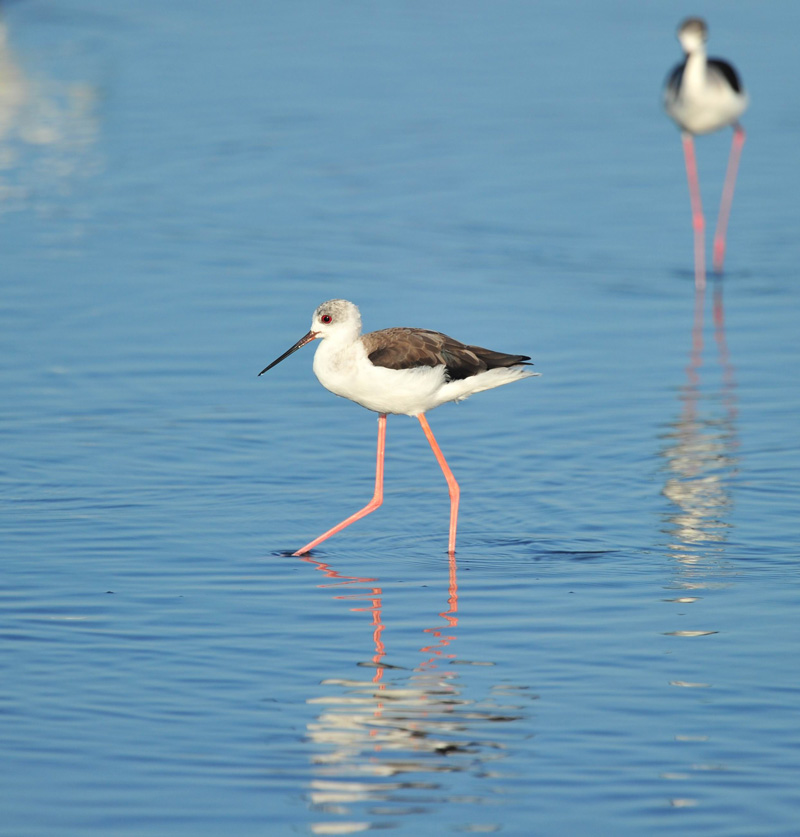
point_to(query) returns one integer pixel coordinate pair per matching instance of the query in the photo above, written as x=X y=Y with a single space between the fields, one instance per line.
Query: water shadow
x=700 y=449
x=700 y=453
x=48 y=132
x=382 y=744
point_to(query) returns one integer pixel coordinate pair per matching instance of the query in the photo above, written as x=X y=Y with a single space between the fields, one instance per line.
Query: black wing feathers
x=406 y=348
x=675 y=78
x=727 y=71
x=715 y=65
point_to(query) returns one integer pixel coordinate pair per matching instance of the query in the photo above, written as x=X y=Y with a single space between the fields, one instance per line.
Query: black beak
x=298 y=345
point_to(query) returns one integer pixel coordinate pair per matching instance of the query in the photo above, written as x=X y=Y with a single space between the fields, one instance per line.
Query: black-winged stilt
x=405 y=371
x=703 y=95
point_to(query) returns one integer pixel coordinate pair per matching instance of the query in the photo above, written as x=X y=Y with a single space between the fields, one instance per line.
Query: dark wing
x=675 y=78
x=726 y=71
x=406 y=348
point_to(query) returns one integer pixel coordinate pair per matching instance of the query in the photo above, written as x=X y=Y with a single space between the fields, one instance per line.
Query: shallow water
x=611 y=649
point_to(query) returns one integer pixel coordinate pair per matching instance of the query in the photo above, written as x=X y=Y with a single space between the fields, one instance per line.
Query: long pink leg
x=698 y=222
x=727 y=196
x=373 y=504
x=452 y=485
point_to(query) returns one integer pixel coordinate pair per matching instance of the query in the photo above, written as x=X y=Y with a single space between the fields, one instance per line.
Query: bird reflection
x=372 y=732
x=701 y=448
x=47 y=128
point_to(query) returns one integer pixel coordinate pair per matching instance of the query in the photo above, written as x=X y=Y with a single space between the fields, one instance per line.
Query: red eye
x=325 y=318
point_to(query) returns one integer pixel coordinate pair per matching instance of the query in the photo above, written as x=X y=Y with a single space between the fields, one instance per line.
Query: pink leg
x=373 y=504
x=727 y=197
x=452 y=485
x=698 y=222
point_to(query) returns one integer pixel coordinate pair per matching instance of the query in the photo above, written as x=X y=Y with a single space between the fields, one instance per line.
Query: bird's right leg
x=727 y=197
x=698 y=222
x=373 y=504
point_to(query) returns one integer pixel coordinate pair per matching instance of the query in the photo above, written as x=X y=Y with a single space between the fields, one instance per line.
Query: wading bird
x=405 y=371
x=703 y=95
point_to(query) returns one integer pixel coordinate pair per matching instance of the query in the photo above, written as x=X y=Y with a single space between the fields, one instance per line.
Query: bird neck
x=695 y=71
x=336 y=360
x=335 y=347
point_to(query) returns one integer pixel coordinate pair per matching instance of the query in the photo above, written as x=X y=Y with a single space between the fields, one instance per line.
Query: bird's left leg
x=452 y=485
x=698 y=221
x=727 y=196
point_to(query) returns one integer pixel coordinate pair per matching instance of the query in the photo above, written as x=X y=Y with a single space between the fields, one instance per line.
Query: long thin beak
x=298 y=345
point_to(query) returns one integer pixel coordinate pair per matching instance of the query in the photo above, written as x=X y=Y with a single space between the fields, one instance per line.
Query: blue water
x=613 y=648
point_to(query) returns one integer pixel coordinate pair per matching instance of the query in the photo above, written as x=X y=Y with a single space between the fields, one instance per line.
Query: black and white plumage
x=405 y=348
x=702 y=95
x=405 y=371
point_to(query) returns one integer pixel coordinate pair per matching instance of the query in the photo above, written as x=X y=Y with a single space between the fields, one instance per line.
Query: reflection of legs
x=698 y=223
x=727 y=197
x=440 y=635
x=696 y=358
x=452 y=610
x=452 y=485
x=373 y=504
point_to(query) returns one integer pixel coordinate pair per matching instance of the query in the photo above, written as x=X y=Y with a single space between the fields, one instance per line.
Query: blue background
x=613 y=649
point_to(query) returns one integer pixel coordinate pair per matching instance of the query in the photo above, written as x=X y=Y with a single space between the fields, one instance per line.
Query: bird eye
x=325 y=318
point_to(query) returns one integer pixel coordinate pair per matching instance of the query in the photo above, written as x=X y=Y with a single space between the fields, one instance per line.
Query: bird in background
x=703 y=95
x=403 y=371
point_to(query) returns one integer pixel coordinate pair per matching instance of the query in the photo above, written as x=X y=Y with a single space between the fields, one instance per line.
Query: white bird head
x=693 y=34
x=336 y=318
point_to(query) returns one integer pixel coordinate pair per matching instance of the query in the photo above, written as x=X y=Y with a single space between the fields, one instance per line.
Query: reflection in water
x=700 y=449
x=47 y=129
x=383 y=743
x=701 y=458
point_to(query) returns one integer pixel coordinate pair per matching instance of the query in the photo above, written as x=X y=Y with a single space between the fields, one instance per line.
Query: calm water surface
x=613 y=648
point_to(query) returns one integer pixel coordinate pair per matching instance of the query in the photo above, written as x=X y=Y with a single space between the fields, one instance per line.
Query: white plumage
x=702 y=94
x=405 y=371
